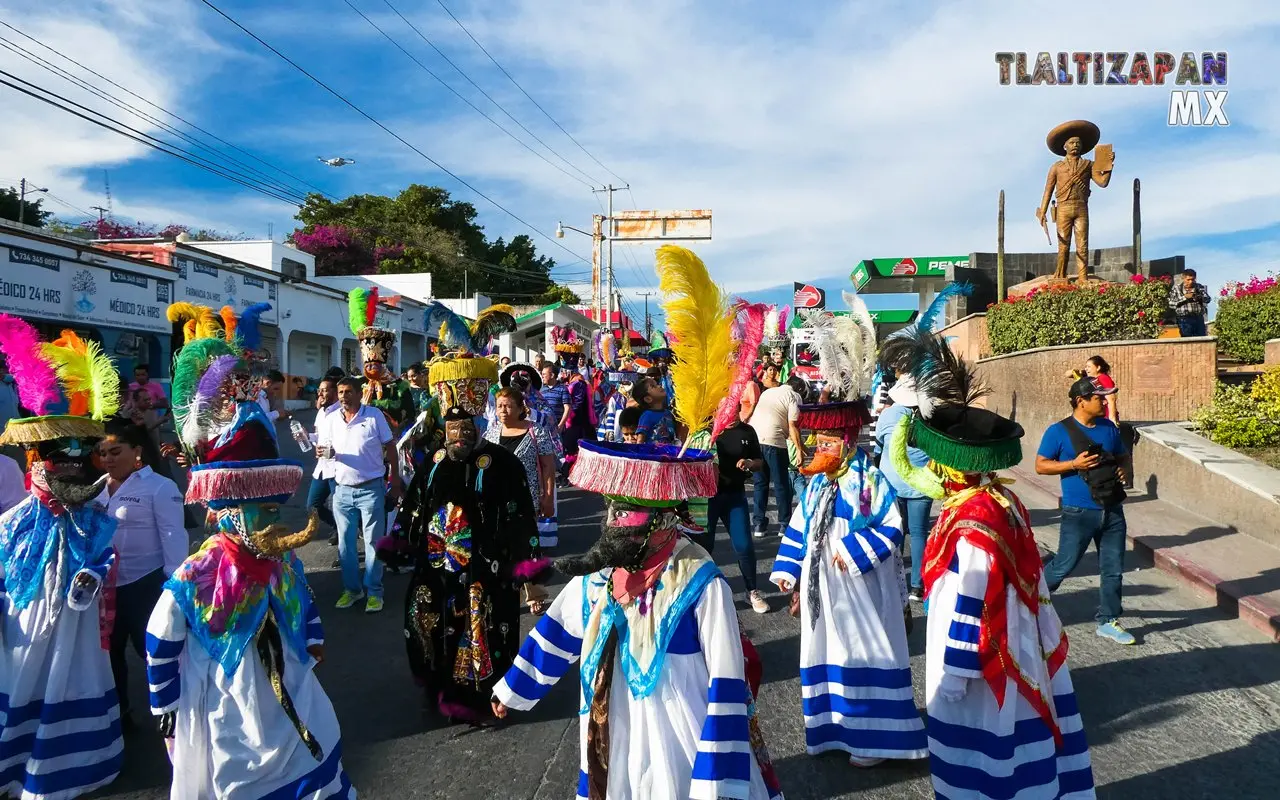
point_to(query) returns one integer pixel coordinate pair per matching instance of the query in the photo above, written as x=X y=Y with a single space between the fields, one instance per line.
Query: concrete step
x=1238 y=572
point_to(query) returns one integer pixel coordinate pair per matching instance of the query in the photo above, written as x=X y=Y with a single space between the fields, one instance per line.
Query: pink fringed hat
x=848 y=417
x=243 y=466
x=644 y=474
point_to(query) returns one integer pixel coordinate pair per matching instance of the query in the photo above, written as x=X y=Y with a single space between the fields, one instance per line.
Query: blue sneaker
x=1113 y=631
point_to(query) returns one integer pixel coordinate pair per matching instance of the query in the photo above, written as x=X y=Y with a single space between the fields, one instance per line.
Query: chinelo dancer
x=60 y=729
x=233 y=643
x=840 y=553
x=462 y=375
x=1003 y=720
x=382 y=389
x=667 y=711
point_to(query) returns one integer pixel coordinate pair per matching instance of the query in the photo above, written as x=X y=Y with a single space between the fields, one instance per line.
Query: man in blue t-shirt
x=1083 y=519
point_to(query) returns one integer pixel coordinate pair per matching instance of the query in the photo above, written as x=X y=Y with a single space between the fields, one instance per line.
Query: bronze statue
x=1068 y=183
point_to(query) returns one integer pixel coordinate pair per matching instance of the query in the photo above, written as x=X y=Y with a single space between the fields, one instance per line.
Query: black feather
x=896 y=354
x=941 y=374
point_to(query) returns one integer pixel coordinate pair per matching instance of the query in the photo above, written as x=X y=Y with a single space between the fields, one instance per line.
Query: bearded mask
x=66 y=469
x=829 y=456
x=472 y=394
x=459 y=439
x=624 y=542
x=257 y=526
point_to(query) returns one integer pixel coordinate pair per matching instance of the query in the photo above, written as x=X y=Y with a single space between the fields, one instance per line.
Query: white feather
x=865 y=357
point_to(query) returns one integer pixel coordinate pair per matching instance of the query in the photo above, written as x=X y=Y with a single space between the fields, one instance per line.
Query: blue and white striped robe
x=59 y=716
x=978 y=750
x=232 y=740
x=688 y=738
x=855 y=671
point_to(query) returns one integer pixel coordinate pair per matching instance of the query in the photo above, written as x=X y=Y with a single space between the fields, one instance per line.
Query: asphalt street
x=1192 y=711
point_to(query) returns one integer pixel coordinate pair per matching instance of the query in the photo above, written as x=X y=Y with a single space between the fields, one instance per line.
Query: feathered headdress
x=566 y=340
x=228 y=315
x=700 y=322
x=250 y=332
x=491 y=323
x=35 y=378
x=455 y=334
x=775 y=327
x=87 y=373
x=845 y=345
x=897 y=347
x=453 y=331
x=749 y=319
x=865 y=362
x=362 y=309
x=199 y=322
x=190 y=366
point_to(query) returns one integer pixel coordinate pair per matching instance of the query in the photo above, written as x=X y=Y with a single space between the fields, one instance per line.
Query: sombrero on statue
x=1087 y=132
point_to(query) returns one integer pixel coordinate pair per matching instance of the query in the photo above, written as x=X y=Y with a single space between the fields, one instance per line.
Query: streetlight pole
x=608 y=314
x=22 y=199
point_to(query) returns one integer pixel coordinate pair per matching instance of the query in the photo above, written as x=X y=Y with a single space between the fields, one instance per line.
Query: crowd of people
x=453 y=470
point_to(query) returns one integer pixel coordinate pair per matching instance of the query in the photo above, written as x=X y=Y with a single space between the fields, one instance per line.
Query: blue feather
x=247 y=328
x=931 y=315
x=457 y=332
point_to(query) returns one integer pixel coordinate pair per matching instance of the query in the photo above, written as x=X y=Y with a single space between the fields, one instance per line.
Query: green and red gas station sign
x=869 y=269
x=884 y=316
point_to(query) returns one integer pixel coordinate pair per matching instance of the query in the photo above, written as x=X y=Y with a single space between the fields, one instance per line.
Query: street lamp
x=561 y=228
x=559 y=231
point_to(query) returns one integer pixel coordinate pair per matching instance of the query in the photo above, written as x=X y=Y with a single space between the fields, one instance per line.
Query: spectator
x=504 y=361
x=656 y=425
x=628 y=423
x=322 y=487
x=419 y=384
x=737 y=453
x=1190 y=302
x=150 y=543
x=358 y=440
x=142 y=380
x=1087 y=451
x=1098 y=369
x=271 y=396
x=914 y=506
x=142 y=414
x=774 y=421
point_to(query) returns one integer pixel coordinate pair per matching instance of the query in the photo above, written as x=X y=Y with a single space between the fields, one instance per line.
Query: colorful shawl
x=224 y=591
x=31 y=535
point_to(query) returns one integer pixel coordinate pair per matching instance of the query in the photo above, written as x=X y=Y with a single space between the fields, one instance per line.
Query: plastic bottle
x=300 y=435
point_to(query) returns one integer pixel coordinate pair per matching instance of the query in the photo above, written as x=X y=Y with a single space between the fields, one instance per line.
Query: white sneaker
x=859 y=761
x=758 y=603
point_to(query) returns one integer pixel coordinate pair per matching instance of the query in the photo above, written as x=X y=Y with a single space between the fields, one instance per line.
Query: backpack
x=1103 y=480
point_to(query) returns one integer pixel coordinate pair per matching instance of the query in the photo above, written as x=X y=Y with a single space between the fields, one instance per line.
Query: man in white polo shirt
x=358 y=441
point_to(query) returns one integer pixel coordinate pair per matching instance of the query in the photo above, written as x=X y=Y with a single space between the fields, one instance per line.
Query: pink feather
x=36 y=380
x=752 y=319
x=782 y=320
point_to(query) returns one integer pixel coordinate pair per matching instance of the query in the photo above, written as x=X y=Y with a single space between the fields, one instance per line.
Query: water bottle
x=300 y=435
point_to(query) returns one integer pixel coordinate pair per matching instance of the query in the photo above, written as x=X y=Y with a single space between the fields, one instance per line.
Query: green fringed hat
x=968 y=439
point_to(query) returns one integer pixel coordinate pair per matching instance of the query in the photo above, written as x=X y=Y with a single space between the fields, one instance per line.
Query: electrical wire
x=258 y=175
x=526 y=94
x=136 y=135
x=489 y=97
x=390 y=132
x=165 y=111
x=460 y=96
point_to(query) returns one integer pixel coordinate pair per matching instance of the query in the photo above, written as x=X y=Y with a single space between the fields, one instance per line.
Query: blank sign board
x=661 y=226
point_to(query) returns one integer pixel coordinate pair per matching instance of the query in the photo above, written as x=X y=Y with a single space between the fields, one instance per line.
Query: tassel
x=271 y=651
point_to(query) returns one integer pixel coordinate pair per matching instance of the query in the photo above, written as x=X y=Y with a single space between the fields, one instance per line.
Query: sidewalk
x=1239 y=573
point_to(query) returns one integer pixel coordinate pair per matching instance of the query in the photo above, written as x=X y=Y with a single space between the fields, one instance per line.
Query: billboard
x=912 y=266
x=805 y=295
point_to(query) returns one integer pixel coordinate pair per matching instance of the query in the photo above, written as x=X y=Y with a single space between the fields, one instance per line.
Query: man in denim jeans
x=1083 y=519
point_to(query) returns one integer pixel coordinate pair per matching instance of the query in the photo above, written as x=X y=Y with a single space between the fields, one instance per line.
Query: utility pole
x=101 y=212
x=1000 y=250
x=1137 y=227
x=22 y=199
x=648 y=324
x=613 y=230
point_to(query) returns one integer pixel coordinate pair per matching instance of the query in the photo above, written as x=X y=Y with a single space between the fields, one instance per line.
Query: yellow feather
x=205 y=319
x=84 y=368
x=700 y=329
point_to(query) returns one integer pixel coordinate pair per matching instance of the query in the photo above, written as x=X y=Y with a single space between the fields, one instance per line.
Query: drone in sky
x=336 y=162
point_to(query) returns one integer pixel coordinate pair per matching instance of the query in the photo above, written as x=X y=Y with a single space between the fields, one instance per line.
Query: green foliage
x=1241 y=417
x=1244 y=324
x=423 y=230
x=11 y=202
x=558 y=294
x=1073 y=315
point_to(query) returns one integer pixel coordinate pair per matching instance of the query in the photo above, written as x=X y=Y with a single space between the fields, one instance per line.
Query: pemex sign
x=870 y=269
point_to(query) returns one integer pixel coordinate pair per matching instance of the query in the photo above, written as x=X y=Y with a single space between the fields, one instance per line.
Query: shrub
x=1242 y=417
x=1072 y=314
x=1248 y=315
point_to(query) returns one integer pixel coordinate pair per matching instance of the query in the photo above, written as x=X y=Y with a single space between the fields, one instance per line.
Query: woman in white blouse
x=150 y=542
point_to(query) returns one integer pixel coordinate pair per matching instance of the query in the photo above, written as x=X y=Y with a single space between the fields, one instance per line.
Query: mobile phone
x=1094 y=450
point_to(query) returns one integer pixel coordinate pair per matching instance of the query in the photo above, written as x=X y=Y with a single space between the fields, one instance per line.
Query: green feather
x=357 y=306
x=921 y=479
x=189 y=364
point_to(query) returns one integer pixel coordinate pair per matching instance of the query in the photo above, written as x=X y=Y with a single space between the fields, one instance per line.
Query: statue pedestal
x=1044 y=282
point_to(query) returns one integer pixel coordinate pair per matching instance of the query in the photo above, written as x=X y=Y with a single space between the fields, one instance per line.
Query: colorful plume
x=358 y=310
x=189 y=366
x=490 y=323
x=250 y=329
x=77 y=393
x=452 y=330
x=929 y=319
x=36 y=380
x=750 y=319
x=85 y=370
x=206 y=321
x=196 y=414
x=700 y=323
x=371 y=306
x=783 y=313
x=228 y=315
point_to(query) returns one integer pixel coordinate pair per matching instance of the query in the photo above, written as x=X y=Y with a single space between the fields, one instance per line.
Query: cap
x=1088 y=387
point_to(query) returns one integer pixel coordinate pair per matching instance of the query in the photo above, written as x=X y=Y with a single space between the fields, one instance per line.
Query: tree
x=420 y=230
x=32 y=214
x=107 y=228
x=559 y=294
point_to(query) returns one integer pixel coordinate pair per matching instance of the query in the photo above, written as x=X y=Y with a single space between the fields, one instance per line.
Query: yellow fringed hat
x=460 y=368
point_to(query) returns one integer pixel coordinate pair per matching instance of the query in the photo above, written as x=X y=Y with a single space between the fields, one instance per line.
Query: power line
x=526 y=94
x=387 y=130
x=141 y=138
x=165 y=111
x=460 y=96
x=459 y=70
x=258 y=175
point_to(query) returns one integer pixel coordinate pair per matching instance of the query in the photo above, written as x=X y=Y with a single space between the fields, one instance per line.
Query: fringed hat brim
x=988 y=456
x=458 y=369
x=848 y=415
x=25 y=431
x=570 y=348
x=644 y=472
x=229 y=482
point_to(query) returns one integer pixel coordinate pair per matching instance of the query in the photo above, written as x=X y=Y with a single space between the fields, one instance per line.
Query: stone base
x=1021 y=290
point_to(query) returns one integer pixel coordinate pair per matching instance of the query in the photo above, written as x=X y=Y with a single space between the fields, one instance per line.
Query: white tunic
x=977 y=749
x=233 y=740
x=59 y=717
x=688 y=738
x=855 y=670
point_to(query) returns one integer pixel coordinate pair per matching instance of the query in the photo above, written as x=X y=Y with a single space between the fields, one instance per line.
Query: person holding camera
x=1087 y=451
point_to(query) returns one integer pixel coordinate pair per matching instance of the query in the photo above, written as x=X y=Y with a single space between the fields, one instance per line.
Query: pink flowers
x=1255 y=285
x=1142 y=315
x=1137 y=279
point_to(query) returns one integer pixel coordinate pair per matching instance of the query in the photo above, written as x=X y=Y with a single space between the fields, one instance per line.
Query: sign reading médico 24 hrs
x=1187 y=107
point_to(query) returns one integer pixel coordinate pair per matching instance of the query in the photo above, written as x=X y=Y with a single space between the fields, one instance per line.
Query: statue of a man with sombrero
x=1068 y=183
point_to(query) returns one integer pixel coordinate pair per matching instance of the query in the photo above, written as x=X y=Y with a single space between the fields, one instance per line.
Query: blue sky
x=819 y=133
